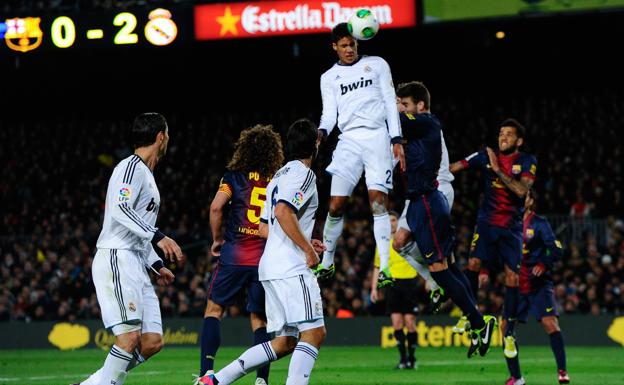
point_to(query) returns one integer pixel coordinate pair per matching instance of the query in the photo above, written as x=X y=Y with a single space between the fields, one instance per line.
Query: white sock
x=114 y=369
x=381 y=228
x=301 y=364
x=253 y=358
x=411 y=253
x=94 y=379
x=331 y=233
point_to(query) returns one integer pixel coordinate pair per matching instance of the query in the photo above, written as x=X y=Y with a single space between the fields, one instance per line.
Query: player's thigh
x=483 y=246
x=347 y=163
x=152 y=319
x=226 y=282
x=510 y=248
x=118 y=279
x=408 y=294
x=431 y=227
x=275 y=301
x=543 y=303
x=378 y=168
x=255 y=293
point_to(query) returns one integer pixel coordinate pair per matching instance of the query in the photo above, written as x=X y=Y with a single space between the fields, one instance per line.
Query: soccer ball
x=362 y=24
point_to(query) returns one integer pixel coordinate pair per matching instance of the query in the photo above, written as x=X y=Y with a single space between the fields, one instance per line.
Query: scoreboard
x=156 y=27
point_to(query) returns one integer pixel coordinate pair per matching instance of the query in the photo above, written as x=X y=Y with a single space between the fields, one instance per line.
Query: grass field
x=335 y=366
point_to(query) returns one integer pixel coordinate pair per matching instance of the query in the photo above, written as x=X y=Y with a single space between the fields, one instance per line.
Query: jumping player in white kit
x=293 y=302
x=128 y=302
x=358 y=97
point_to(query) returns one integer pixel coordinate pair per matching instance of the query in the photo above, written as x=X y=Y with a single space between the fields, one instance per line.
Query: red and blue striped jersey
x=502 y=207
x=540 y=246
x=247 y=191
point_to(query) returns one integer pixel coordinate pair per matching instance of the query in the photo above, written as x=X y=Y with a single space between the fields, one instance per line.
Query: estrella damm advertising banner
x=275 y=18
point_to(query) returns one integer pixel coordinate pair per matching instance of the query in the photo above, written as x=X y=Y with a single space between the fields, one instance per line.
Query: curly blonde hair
x=258 y=149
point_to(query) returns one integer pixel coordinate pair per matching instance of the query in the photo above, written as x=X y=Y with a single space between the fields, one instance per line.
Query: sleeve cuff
x=158 y=265
x=484 y=272
x=158 y=236
x=465 y=163
x=264 y=220
x=397 y=140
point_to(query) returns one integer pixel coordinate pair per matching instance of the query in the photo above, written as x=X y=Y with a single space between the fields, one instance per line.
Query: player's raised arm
x=223 y=196
x=330 y=108
x=392 y=115
x=128 y=184
x=521 y=187
x=475 y=159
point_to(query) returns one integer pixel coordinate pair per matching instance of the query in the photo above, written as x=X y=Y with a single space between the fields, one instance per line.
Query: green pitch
x=335 y=366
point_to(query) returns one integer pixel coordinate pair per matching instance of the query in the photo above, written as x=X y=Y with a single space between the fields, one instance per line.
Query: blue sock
x=461 y=277
x=210 y=341
x=556 y=344
x=473 y=279
x=458 y=293
x=510 y=308
x=513 y=364
x=260 y=336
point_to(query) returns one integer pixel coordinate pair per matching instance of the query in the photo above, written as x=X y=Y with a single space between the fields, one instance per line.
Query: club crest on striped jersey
x=530 y=233
x=124 y=194
x=515 y=169
x=298 y=198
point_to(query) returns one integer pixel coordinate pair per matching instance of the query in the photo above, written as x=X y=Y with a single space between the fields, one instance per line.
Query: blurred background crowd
x=55 y=172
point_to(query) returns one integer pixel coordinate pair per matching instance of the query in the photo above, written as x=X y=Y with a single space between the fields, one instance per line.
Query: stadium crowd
x=54 y=176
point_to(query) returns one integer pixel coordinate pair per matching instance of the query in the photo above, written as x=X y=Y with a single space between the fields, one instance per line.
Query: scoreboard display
x=156 y=27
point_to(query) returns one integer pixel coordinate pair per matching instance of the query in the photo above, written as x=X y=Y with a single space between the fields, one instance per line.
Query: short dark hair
x=417 y=90
x=339 y=31
x=301 y=139
x=393 y=213
x=520 y=130
x=145 y=128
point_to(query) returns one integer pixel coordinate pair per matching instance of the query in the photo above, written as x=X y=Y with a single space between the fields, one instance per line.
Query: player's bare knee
x=551 y=324
x=283 y=345
x=213 y=310
x=474 y=264
x=336 y=206
x=152 y=346
x=128 y=341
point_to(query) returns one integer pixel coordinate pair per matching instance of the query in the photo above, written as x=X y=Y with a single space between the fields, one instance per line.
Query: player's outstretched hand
x=312 y=258
x=165 y=277
x=171 y=250
x=397 y=150
x=318 y=246
x=493 y=160
x=215 y=249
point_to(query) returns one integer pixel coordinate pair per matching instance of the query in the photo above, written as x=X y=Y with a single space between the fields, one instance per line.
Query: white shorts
x=445 y=188
x=124 y=291
x=293 y=305
x=367 y=151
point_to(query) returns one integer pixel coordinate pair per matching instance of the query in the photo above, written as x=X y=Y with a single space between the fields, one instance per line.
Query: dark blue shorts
x=540 y=304
x=429 y=221
x=228 y=280
x=497 y=246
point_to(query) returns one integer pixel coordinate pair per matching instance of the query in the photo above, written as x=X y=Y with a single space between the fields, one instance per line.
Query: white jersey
x=295 y=185
x=444 y=173
x=132 y=203
x=360 y=96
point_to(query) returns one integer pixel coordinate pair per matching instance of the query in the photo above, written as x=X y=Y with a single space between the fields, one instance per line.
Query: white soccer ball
x=362 y=24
